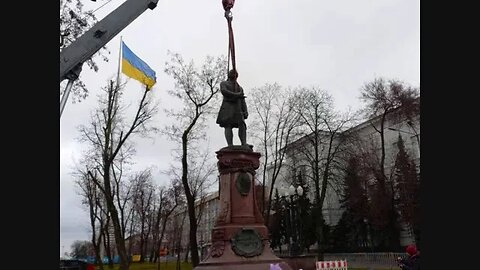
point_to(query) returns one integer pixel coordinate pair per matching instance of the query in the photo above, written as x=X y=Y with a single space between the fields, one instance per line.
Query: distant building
x=295 y=165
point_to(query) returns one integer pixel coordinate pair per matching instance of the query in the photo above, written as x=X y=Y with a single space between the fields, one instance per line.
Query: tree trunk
x=106 y=243
x=153 y=250
x=320 y=236
x=178 y=259
x=96 y=246
x=142 y=238
x=323 y=193
x=190 y=203
x=179 y=247
x=119 y=238
x=156 y=227
x=187 y=252
x=130 y=232
x=382 y=138
x=145 y=231
x=276 y=170
x=266 y=212
x=164 y=225
x=96 y=241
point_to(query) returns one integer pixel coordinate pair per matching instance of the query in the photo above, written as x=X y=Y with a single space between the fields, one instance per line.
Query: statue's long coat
x=233 y=108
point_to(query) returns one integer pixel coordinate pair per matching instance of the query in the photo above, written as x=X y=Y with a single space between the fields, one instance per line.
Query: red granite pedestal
x=239 y=237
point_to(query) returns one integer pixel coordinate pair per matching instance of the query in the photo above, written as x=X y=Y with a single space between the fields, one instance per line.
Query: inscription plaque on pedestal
x=247 y=243
x=243 y=184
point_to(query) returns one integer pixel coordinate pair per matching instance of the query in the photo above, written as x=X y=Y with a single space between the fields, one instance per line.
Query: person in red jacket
x=412 y=261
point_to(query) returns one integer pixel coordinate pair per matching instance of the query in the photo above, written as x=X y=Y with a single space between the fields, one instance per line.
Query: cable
x=101 y=6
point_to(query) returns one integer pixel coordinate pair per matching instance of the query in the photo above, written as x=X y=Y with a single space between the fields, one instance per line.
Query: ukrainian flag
x=135 y=68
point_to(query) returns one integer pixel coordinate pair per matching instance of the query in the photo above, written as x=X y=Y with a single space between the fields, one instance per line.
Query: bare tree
x=107 y=242
x=200 y=179
x=320 y=147
x=155 y=221
x=93 y=199
x=81 y=249
x=382 y=98
x=74 y=21
x=196 y=89
x=275 y=121
x=178 y=229
x=169 y=200
x=108 y=136
x=127 y=195
x=386 y=100
x=143 y=192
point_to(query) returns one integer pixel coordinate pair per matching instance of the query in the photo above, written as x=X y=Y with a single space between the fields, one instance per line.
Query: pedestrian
x=412 y=261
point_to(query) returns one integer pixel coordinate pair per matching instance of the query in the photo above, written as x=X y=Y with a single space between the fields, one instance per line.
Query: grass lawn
x=152 y=266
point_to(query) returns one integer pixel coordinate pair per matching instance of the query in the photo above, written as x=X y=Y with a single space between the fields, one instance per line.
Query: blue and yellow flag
x=135 y=68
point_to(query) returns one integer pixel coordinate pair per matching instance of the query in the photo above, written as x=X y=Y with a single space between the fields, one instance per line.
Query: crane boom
x=73 y=56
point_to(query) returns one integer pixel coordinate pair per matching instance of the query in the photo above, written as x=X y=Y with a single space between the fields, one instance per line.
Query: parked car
x=75 y=265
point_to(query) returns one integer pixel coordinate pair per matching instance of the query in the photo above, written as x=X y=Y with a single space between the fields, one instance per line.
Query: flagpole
x=118 y=71
x=119 y=61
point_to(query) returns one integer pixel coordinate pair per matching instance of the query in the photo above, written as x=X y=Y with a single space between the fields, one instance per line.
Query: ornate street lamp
x=293 y=218
x=299 y=190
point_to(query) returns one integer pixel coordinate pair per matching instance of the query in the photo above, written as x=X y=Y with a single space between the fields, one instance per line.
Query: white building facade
x=365 y=134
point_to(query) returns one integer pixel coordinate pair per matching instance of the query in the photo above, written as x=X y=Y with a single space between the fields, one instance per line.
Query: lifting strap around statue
x=227 y=5
x=231 y=45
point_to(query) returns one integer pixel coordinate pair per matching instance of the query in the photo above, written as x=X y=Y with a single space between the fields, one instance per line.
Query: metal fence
x=383 y=259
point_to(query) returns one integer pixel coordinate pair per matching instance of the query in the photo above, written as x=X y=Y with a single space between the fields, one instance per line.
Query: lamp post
x=288 y=236
x=294 y=240
x=201 y=243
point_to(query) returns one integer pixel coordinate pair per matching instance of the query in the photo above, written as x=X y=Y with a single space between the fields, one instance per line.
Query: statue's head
x=232 y=74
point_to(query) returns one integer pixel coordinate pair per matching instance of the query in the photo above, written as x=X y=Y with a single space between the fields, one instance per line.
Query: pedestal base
x=239 y=237
x=230 y=261
x=301 y=262
x=242 y=266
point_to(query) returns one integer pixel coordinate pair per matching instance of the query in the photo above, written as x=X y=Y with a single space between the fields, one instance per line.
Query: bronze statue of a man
x=233 y=111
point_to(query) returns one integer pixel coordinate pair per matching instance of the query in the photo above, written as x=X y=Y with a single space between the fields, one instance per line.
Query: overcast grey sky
x=336 y=45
